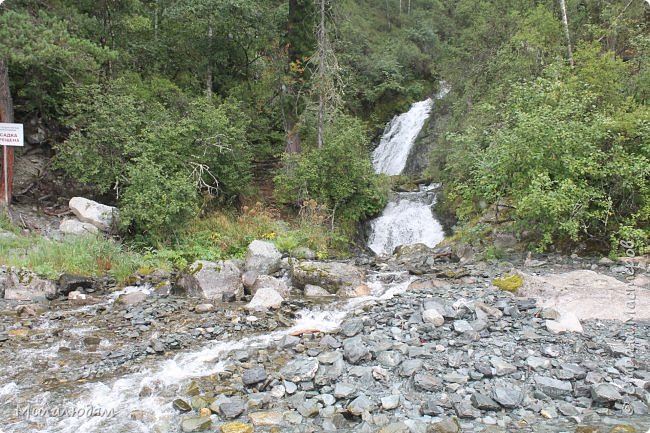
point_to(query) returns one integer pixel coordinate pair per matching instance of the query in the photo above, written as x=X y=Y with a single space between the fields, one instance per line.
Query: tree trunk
x=208 y=81
x=6 y=116
x=321 y=73
x=565 y=23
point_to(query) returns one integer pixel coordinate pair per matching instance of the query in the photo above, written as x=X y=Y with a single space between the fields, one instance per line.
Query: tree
x=6 y=116
x=565 y=22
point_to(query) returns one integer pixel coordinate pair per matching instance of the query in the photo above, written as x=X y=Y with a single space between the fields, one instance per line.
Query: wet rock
x=237 y=427
x=70 y=282
x=355 y=350
x=300 y=369
x=196 y=424
x=212 y=280
x=105 y=218
x=254 y=375
x=264 y=299
x=262 y=257
x=605 y=393
x=312 y=291
x=248 y=278
x=181 y=405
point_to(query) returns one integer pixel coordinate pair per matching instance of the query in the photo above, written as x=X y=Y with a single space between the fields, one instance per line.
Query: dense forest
x=176 y=109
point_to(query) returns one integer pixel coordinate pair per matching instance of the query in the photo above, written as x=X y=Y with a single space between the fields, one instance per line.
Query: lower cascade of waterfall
x=406 y=220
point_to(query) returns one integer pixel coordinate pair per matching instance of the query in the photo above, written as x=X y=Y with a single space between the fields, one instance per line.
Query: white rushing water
x=117 y=406
x=408 y=218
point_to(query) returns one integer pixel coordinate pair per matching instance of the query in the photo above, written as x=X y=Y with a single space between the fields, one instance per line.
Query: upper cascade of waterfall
x=392 y=153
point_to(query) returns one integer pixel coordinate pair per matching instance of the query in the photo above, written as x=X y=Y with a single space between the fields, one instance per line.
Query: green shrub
x=338 y=176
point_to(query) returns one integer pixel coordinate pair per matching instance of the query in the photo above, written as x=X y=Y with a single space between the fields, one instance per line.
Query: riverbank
x=434 y=346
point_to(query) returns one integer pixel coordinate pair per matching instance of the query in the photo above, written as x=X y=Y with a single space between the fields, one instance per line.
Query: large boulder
x=268 y=282
x=262 y=257
x=264 y=299
x=339 y=278
x=101 y=216
x=25 y=286
x=212 y=280
x=421 y=259
x=72 y=226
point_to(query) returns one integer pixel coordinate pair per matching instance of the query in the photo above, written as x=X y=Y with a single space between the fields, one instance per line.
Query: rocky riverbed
x=426 y=344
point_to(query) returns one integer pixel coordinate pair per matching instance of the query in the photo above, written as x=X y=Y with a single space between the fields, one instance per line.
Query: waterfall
x=407 y=219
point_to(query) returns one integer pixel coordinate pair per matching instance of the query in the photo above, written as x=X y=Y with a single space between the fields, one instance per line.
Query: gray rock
x=262 y=257
x=335 y=277
x=213 y=280
x=268 y=282
x=248 y=279
x=181 y=405
x=554 y=388
x=351 y=327
x=501 y=366
x=455 y=377
x=105 y=218
x=254 y=375
x=538 y=363
x=300 y=369
x=309 y=408
x=196 y=424
x=355 y=350
x=360 y=405
x=605 y=393
x=344 y=390
x=389 y=358
x=390 y=402
x=567 y=409
x=264 y=299
x=427 y=382
x=131 y=298
x=462 y=326
x=484 y=402
x=465 y=410
x=433 y=316
x=71 y=226
x=446 y=425
x=396 y=427
x=410 y=367
x=508 y=396
x=204 y=308
x=232 y=408
x=25 y=286
x=312 y=291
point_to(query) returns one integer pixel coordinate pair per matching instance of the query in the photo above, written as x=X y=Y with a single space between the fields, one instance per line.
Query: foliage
x=157 y=148
x=338 y=176
x=91 y=255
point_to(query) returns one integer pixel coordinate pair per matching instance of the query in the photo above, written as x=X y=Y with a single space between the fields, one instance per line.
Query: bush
x=338 y=176
x=156 y=148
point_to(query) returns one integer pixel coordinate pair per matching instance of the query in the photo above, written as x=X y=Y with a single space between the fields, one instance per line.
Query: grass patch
x=88 y=255
x=225 y=235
